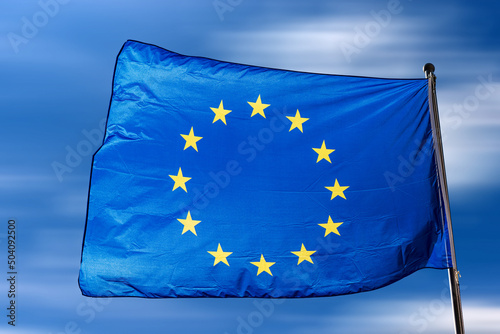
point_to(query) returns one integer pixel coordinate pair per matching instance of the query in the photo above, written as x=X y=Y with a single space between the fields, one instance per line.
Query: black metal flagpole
x=453 y=272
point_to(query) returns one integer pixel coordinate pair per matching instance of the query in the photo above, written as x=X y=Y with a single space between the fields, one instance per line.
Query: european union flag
x=226 y=180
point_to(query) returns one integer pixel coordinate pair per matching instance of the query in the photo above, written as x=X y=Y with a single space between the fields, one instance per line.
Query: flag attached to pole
x=225 y=180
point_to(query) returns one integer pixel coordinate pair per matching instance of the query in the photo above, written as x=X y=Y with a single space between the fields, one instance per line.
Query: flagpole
x=453 y=273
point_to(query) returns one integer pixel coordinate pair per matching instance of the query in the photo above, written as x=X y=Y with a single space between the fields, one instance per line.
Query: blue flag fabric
x=225 y=180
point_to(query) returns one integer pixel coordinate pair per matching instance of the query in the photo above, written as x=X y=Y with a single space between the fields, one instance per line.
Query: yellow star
x=263 y=265
x=331 y=227
x=323 y=153
x=180 y=180
x=258 y=107
x=304 y=254
x=191 y=140
x=337 y=190
x=220 y=256
x=189 y=224
x=220 y=113
x=297 y=121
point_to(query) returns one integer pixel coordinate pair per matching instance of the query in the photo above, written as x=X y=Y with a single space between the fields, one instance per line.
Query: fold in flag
x=226 y=180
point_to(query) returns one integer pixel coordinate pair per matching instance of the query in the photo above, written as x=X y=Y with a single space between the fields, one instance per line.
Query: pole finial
x=428 y=69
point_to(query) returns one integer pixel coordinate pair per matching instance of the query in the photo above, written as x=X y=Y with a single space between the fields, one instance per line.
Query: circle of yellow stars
x=297 y=122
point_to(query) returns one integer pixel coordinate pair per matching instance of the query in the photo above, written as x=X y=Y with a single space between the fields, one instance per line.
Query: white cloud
x=306 y=47
x=482 y=319
x=317 y=46
x=471 y=133
x=397 y=317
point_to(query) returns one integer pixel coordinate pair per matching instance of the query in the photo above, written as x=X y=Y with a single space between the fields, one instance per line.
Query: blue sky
x=55 y=89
